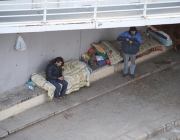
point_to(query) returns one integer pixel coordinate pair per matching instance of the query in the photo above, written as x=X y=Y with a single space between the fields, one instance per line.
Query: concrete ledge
x=30 y=102
x=38 y=100
x=44 y=111
x=96 y=75
x=20 y=107
x=108 y=70
x=101 y=73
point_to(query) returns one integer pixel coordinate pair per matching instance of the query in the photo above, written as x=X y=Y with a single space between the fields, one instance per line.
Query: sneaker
x=132 y=76
x=57 y=99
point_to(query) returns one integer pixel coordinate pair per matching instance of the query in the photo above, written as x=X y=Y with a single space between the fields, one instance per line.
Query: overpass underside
x=41 y=17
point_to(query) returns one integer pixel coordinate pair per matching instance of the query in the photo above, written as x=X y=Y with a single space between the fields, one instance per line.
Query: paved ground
x=129 y=112
x=173 y=134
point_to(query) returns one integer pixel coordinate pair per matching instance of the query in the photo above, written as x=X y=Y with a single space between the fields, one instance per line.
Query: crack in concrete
x=2 y=136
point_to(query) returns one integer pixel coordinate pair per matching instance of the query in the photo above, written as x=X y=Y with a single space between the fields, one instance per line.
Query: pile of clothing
x=95 y=56
x=110 y=52
x=103 y=53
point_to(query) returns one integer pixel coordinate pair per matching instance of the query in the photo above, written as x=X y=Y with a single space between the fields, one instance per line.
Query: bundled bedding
x=160 y=35
x=173 y=31
x=75 y=72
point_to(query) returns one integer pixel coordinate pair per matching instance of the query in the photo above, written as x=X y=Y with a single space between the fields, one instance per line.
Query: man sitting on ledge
x=54 y=76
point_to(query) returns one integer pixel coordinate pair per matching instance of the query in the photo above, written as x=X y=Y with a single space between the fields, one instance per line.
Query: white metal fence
x=52 y=12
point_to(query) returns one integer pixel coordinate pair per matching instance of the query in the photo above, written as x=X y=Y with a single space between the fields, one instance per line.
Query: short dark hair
x=59 y=59
x=133 y=29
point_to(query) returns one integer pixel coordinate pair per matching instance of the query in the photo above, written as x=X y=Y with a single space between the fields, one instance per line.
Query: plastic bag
x=20 y=44
x=99 y=58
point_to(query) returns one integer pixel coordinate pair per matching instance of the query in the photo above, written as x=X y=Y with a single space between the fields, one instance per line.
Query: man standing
x=54 y=76
x=131 y=40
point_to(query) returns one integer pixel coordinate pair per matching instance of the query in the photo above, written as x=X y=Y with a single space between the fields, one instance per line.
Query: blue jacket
x=126 y=46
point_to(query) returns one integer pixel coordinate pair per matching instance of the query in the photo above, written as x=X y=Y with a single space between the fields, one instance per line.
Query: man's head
x=133 y=30
x=59 y=61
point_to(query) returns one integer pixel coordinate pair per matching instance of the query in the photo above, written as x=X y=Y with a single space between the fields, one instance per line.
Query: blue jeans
x=58 y=87
x=133 y=65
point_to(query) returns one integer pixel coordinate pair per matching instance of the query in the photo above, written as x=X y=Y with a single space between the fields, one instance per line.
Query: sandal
x=57 y=99
x=65 y=97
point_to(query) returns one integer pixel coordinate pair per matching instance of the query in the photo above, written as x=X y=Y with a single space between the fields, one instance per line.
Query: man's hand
x=61 y=78
x=130 y=42
x=127 y=39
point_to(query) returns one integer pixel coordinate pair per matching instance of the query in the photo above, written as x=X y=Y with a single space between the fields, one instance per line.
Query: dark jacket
x=53 y=72
x=126 y=46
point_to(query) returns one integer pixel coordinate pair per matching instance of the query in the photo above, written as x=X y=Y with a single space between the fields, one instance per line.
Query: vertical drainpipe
x=145 y=8
x=80 y=44
x=45 y=11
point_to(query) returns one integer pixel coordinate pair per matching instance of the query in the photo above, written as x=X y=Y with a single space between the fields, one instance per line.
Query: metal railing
x=79 y=11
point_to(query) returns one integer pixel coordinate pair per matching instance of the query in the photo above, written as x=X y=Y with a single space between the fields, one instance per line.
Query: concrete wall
x=16 y=67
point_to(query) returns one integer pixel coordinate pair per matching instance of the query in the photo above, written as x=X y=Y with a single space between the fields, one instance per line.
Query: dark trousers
x=58 y=87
